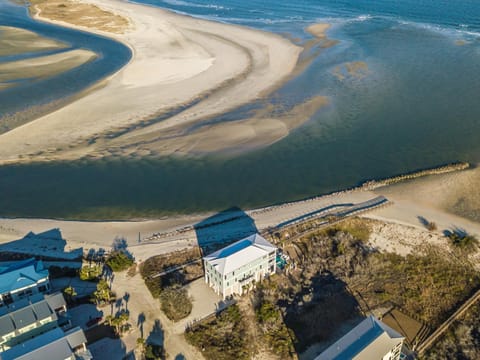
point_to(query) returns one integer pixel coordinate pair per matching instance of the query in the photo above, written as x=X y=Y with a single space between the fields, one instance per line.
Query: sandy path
x=176 y=60
x=141 y=302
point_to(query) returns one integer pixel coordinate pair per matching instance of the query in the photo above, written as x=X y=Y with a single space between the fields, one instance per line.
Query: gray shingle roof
x=24 y=313
x=51 y=345
x=56 y=300
x=75 y=337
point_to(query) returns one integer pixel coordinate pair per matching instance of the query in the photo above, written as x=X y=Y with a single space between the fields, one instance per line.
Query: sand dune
x=177 y=60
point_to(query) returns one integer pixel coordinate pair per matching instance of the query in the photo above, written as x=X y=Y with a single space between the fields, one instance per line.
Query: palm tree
x=69 y=293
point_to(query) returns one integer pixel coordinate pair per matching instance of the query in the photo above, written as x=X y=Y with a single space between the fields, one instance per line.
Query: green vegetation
x=274 y=330
x=103 y=294
x=69 y=293
x=154 y=352
x=90 y=273
x=222 y=338
x=464 y=242
x=461 y=341
x=175 y=303
x=337 y=270
x=157 y=264
x=119 y=261
x=119 y=321
x=429 y=284
x=358 y=228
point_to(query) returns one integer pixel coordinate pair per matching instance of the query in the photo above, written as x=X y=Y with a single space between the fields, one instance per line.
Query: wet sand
x=15 y=41
x=177 y=60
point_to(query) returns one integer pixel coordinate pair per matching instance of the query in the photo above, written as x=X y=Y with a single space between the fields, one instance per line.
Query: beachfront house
x=30 y=317
x=54 y=345
x=371 y=339
x=21 y=279
x=233 y=269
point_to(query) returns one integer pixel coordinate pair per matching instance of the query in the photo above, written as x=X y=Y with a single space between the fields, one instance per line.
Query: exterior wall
x=41 y=286
x=396 y=351
x=235 y=281
x=25 y=333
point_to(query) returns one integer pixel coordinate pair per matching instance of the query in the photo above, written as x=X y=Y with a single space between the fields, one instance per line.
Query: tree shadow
x=156 y=335
x=460 y=232
x=180 y=357
x=423 y=221
x=126 y=298
x=321 y=313
x=140 y=321
x=224 y=228
x=120 y=244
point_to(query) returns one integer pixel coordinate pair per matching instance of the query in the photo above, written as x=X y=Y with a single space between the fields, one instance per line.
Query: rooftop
x=21 y=274
x=371 y=339
x=239 y=253
x=54 y=344
x=28 y=311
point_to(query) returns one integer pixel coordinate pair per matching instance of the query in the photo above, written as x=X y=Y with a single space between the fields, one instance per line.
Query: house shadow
x=322 y=313
x=223 y=228
x=48 y=245
x=110 y=348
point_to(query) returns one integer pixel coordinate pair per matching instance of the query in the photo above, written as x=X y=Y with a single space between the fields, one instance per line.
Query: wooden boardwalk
x=444 y=327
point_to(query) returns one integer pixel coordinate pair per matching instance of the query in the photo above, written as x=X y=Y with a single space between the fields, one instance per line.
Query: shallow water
x=111 y=57
x=416 y=107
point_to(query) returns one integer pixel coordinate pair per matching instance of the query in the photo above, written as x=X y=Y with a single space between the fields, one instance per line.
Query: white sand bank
x=176 y=60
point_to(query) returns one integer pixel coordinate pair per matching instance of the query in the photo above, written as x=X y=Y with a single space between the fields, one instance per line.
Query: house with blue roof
x=371 y=339
x=233 y=269
x=21 y=279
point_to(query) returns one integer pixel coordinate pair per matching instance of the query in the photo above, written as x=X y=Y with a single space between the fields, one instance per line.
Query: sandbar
x=44 y=66
x=15 y=41
x=203 y=67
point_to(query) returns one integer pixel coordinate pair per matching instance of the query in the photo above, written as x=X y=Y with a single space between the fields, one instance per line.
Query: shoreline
x=173 y=63
x=175 y=232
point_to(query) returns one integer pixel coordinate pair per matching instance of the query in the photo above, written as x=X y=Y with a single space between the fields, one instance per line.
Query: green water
x=418 y=107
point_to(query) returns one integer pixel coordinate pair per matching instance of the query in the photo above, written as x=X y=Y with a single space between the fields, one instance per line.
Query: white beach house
x=232 y=269
x=371 y=339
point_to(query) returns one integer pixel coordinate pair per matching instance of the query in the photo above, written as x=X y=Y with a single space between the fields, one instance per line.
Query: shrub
x=119 y=261
x=175 y=303
x=103 y=292
x=431 y=226
x=223 y=338
x=465 y=242
x=89 y=273
x=274 y=330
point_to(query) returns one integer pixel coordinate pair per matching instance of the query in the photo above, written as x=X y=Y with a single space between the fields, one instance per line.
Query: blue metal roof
x=21 y=274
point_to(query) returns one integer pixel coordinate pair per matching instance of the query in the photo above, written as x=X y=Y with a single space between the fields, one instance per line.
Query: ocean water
x=418 y=106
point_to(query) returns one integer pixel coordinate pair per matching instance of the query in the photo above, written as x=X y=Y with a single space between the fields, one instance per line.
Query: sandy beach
x=177 y=60
x=396 y=228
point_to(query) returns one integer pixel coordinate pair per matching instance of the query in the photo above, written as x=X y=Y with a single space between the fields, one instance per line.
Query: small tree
x=119 y=321
x=119 y=261
x=103 y=293
x=69 y=293
x=88 y=273
x=175 y=303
